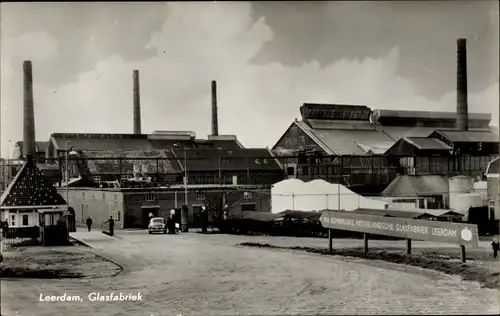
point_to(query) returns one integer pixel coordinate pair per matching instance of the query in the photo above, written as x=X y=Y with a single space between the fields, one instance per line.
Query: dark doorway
x=145 y=214
x=196 y=216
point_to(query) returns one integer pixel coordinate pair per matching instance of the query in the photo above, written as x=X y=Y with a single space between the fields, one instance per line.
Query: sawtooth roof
x=414 y=186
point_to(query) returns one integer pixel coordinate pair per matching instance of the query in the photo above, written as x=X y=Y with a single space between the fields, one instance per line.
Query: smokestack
x=215 y=120
x=137 y=104
x=29 y=112
x=462 y=106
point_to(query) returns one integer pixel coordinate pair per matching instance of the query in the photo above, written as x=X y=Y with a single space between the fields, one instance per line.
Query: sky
x=267 y=58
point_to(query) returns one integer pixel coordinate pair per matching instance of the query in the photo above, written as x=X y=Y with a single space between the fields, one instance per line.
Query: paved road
x=194 y=274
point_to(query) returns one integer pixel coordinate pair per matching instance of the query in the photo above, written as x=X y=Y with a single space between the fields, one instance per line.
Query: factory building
x=366 y=150
x=130 y=207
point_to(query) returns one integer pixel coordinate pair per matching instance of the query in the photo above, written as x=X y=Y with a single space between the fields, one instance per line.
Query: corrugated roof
x=413 y=186
x=427 y=143
x=125 y=142
x=344 y=141
x=469 y=136
x=30 y=188
x=230 y=159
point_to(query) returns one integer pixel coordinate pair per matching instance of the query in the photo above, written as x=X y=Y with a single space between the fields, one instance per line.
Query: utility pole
x=185 y=178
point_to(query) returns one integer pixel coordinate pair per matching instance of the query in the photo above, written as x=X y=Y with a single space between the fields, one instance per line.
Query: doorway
x=196 y=216
x=146 y=210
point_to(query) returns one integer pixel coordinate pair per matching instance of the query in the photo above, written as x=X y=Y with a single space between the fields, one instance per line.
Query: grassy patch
x=28 y=272
x=481 y=266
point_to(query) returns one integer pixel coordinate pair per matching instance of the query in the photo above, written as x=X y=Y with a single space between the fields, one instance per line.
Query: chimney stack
x=462 y=106
x=137 y=104
x=29 y=112
x=215 y=120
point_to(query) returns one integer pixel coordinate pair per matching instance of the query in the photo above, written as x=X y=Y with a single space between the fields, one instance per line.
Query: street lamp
x=67 y=172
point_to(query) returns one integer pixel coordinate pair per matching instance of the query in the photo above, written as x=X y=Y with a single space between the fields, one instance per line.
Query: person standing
x=111 y=222
x=89 y=223
x=495 y=245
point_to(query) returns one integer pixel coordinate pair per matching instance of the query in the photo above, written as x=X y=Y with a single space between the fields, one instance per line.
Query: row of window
x=150 y=196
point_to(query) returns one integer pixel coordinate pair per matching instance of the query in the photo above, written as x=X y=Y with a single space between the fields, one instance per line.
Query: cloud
x=203 y=42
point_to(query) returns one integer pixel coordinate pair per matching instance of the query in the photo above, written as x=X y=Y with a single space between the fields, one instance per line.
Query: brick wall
x=138 y=205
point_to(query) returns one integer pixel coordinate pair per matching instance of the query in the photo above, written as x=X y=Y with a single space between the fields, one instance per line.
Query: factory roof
x=127 y=165
x=125 y=142
x=29 y=188
x=469 y=136
x=200 y=159
x=344 y=137
x=425 y=143
x=397 y=124
x=493 y=166
x=414 y=186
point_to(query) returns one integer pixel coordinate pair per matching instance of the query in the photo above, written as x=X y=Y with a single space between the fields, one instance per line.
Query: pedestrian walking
x=111 y=222
x=204 y=219
x=495 y=245
x=89 y=223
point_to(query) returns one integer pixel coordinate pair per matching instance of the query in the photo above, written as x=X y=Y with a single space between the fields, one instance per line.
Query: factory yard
x=195 y=274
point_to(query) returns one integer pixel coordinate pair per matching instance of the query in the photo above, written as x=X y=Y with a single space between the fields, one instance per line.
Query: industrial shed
x=422 y=191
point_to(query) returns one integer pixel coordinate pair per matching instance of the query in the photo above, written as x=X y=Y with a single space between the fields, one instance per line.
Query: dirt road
x=194 y=274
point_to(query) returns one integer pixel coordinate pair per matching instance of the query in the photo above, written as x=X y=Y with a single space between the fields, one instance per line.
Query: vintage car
x=157 y=225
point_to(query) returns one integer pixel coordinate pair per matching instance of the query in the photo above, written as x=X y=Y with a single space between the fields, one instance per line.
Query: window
x=421 y=203
x=13 y=220
x=83 y=195
x=290 y=171
x=116 y=215
x=97 y=179
x=247 y=195
x=25 y=220
x=150 y=196
x=200 y=195
x=103 y=195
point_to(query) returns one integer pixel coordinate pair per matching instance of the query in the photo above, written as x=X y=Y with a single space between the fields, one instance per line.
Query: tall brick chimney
x=215 y=120
x=137 y=104
x=29 y=112
x=462 y=106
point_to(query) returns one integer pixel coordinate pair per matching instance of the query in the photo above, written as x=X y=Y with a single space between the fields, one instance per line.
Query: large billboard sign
x=436 y=231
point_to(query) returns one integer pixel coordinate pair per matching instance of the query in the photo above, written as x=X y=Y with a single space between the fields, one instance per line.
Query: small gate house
x=31 y=207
